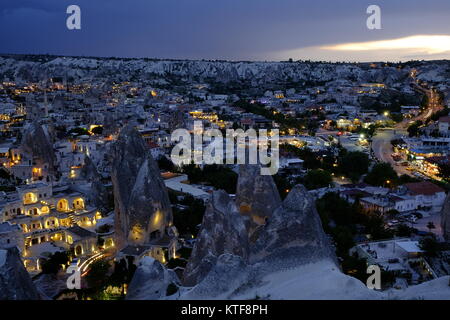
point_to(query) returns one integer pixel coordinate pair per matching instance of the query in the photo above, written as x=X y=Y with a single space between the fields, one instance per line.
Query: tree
x=282 y=184
x=53 y=264
x=186 y=220
x=404 y=231
x=165 y=164
x=430 y=246
x=97 y=130
x=4 y=174
x=444 y=170
x=317 y=179
x=382 y=174
x=97 y=273
x=414 y=129
x=79 y=131
x=397 y=117
x=354 y=164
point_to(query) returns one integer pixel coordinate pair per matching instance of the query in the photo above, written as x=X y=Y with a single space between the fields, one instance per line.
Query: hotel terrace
x=40 y=218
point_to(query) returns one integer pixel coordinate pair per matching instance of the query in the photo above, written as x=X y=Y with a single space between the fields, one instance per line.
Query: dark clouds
x=228 y=29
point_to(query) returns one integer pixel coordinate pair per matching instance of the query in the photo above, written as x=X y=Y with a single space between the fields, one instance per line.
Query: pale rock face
x=291 y=259
x=445 y=218
x=293 y=233
x=142 y=207
x=109 y=125
x=37 y=142
x=151 y=280
x=225 y=275
x=15 y=282
x=256 y=196
x=223 y=231
x=89 y=171
x=49 y=286
x=99 y=195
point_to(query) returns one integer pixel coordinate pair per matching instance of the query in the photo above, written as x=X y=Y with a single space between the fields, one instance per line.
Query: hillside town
x=87 y=181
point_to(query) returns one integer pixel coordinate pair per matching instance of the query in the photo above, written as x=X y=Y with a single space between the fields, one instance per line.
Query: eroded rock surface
x=142 y=207
x=15 y=282
x=223 y=231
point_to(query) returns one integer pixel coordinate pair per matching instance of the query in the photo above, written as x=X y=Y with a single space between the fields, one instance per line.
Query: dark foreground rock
x=223 y=231
x=15 y=282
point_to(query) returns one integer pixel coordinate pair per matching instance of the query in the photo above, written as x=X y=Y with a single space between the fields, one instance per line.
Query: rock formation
x=142 y=207
x=110 y=125
x=229 y=272
x=37 y=142
x=89 y=171
x=150 y=281
x=49 y=286
x=257 y=196
x=291 y=259
x=294 y=232
x=445 y=218
x=223 y=231
x=99 y=195
x=15 y=282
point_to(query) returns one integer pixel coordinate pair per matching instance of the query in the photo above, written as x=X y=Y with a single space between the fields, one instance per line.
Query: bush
x=97 y=130
x=317 y=179
x=430 y=246
x=171 y=289
x=53 y=264
x=185 y=253
x=354 y=164
x=380 y=174
x=174 y=263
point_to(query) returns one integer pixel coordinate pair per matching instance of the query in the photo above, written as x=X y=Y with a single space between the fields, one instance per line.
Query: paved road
x=382 y=148
x=381 y=142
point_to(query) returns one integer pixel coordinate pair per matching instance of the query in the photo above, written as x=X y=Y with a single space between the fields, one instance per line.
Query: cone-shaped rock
x=37 y=142
x=257 y=195
x=150 y=281
x=142 y=207
x=223 y=231
x=293 y=233
x=15 y=282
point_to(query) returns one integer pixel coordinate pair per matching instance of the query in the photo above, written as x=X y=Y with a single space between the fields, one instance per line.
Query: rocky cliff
x=15 y=282
x=256 y=73
x=293 y=234
x=142 y=207
x=223 y=231
x=99 y=195
x=37 y=142
x=151 y=280
x=291 y=259
x=256 y=196
x=445 y=218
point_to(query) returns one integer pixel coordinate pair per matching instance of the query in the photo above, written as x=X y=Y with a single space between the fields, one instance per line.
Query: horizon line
x=221 y=60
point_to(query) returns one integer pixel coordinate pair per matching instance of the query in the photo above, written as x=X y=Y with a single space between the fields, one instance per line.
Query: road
x=381 y=142
x=382 y=148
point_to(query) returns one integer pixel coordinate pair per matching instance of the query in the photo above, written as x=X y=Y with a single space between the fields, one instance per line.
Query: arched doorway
x=78 y=204
x=78 y=250
x=29 y=197
x=63 y=205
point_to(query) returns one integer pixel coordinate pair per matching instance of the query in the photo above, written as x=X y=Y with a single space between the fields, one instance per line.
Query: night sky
x=229 y=29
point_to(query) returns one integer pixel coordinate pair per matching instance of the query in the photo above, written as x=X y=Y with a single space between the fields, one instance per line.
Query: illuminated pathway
x=84 y=267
